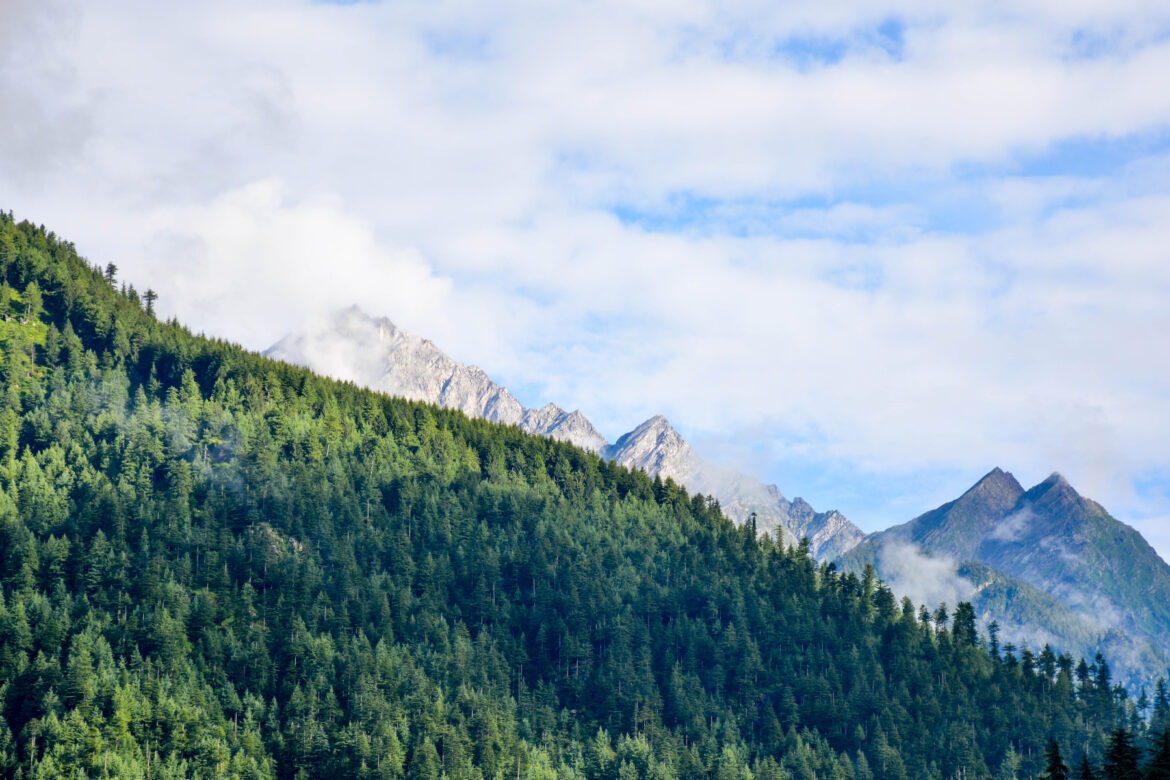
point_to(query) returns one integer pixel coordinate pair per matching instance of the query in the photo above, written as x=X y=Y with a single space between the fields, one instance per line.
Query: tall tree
x=1159 y=766
x=1054 y=766
x=1121 y=757
x=1085 y=769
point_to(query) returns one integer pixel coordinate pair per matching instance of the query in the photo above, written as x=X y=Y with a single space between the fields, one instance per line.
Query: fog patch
x=1095 y=608
x=923 y=578
x=1013 y=527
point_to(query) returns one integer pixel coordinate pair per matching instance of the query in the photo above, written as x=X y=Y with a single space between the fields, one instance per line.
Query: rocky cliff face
x=959 y=527
x=374 y=352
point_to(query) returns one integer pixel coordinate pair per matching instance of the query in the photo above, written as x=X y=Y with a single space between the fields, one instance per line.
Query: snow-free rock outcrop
x=376 y=353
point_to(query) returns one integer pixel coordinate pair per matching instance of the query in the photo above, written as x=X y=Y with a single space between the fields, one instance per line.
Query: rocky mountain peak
x=1056 y=481
x=1055 y=496
x=553 y=421
x=656 y=448
x=996 y=486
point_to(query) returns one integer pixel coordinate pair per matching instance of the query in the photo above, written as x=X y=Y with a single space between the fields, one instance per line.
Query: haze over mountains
x=372 y=352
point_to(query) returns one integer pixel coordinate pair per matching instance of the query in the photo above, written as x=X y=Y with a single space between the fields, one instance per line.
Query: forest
x=217 y=565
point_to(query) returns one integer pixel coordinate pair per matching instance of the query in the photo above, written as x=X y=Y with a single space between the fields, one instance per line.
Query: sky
x=864 y=250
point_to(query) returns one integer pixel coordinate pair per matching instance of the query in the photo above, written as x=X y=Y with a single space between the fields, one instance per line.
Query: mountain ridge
x=375 y=353
x=414 y=367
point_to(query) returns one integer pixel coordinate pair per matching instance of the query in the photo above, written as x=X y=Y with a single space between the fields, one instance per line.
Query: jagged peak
x=655 y=426
x=1054 y=485
x=1056 y=479
x=800 y=505
x=654 y=435
x=995 y=481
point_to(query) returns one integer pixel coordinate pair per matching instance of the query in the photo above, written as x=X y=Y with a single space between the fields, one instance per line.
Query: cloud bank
x=896 y=244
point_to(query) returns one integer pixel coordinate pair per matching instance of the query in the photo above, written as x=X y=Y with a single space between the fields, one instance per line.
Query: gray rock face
x=375 y=353
x=958 y=528
x=378 y=354
x=656 y=448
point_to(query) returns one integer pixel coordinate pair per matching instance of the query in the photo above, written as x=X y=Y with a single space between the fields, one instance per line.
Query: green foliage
x=215 y=565
x=1054 y=766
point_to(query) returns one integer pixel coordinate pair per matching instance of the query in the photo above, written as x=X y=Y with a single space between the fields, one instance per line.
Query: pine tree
x=1160 y=717
x=1159 y=766
x=1085 y=769
x=1054 y=766
x=1121 y=757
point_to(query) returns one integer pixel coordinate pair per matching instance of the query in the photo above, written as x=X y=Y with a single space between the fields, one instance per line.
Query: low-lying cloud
x=923 y=578
x=1013 y=527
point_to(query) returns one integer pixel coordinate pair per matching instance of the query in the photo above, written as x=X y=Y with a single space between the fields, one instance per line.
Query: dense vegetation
x=215 y=565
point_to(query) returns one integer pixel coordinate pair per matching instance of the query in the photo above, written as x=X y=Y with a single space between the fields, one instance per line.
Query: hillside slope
x=217 y=565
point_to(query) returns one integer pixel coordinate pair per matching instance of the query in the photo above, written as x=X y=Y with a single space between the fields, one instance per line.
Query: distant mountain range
x=372 y=352
x=1046 y=564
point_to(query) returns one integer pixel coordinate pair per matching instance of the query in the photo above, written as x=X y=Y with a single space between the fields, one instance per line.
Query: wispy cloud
x=1013 y=527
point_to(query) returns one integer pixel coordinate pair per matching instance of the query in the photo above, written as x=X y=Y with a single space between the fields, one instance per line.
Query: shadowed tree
x=1121 y=757
x=1159 y=766
x=1054 y=766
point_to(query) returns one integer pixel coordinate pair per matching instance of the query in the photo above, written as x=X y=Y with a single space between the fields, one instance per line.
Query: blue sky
x=866 y=251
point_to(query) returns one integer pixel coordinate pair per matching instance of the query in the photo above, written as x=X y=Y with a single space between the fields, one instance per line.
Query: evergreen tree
x=1121 y=757
x=1054 y=766
x=1159 y=766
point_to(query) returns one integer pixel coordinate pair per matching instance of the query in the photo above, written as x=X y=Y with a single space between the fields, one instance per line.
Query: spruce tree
x=1121 y=757
x=1159 y=766
x=1054 y=766
x=1085 y=769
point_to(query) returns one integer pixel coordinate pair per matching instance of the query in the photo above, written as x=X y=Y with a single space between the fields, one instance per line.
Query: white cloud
x=924 y=579
x=263 y=264
x=1013 y=527
x=453 y=166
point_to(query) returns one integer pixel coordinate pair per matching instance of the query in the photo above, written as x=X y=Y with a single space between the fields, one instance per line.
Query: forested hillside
x=217 y=565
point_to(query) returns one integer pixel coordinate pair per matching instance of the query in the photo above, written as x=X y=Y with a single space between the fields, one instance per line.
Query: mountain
x=656 y=448
x=958 y=528
x=1047 y=564
x=375 y=353
x=218 y=565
